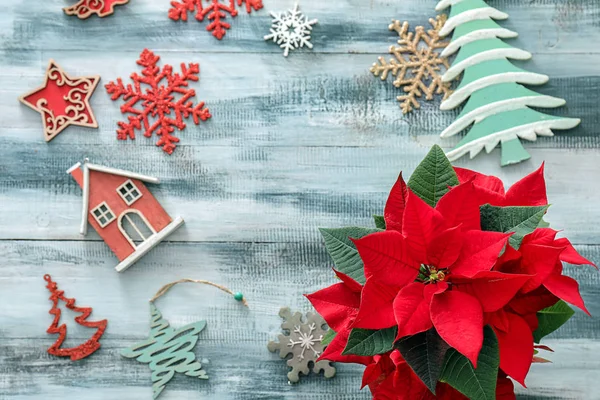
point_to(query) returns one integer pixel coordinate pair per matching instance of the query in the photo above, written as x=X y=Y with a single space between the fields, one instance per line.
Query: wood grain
x=294 y=144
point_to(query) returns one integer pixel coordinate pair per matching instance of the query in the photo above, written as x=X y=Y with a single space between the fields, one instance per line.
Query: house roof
x=86 y=184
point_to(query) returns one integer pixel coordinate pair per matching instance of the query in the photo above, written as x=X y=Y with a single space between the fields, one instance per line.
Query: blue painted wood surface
x=294 y=144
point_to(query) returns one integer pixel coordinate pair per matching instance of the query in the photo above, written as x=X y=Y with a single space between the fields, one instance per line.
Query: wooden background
x=294 y=144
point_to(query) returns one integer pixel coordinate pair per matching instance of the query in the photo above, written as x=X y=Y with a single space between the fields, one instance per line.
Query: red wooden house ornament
x=117 y=204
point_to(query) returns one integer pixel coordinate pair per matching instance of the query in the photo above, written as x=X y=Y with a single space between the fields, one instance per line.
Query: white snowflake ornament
x=302 y=339
x=291 y=30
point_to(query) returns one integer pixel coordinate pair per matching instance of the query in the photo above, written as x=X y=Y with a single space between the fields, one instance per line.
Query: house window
x=129 y=192
x=103 y=214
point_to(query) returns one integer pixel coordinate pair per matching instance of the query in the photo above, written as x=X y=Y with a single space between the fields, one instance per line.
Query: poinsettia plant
x=451 y=293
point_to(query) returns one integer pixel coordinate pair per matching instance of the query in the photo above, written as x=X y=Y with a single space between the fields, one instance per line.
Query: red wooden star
x=62 y=101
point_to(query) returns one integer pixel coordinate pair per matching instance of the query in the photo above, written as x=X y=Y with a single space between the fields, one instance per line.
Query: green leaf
x=367 y=342
x=379 y=221
x=343 y=252
x=328 y=337
x=544 y=224
x=432 y=177
x=425 y=354
x=520 y=220
x=552 y=318
x=476 y=384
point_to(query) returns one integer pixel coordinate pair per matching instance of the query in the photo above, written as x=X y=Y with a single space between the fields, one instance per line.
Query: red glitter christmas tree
x=83 y=350
x=215 y=11
x=157 y=103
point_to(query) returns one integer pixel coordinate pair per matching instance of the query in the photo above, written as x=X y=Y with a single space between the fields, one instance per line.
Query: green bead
x=238 y=296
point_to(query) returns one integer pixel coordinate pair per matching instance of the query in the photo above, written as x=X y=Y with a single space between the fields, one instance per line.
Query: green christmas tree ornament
x=497 y=104
x=167 y=350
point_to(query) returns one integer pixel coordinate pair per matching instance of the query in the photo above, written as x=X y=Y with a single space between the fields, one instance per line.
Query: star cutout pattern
x=62 y=101
x=168 y=351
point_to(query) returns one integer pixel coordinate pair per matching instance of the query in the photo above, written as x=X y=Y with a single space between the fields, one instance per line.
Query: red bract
x=515 y=340
x=338 y=305
x=435 y=272
x=529 y=191
x=389 y=377
x=540 y=256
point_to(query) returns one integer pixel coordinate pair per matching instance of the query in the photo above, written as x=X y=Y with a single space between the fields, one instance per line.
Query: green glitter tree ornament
x=168 y=350
x=498 y=104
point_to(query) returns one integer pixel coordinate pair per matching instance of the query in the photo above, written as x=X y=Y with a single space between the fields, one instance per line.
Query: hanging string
x=238 y=296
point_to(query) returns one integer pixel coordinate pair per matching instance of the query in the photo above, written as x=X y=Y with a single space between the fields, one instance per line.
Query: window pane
x=123 y=190
x=103 y=208
x=135 y=193
x=97 y=212
x=109 y=216
x=102 y=220
x=128 y=198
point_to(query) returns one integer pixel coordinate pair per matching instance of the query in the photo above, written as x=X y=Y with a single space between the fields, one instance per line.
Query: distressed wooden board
x=322 y=87
x=266 y=193
x=567 y=26
x=294 y=144
x=232 y=330
x=276 y=269
x=252 y=376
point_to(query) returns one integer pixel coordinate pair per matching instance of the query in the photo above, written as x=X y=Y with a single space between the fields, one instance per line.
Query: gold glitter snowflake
x=416 y=64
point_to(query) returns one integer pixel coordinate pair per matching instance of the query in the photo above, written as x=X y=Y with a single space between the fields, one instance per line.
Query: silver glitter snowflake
x=302 y=339
x=291 y=30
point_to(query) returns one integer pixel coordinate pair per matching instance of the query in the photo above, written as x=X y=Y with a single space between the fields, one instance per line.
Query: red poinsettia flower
x=529 y=191
x=514 y=326
x=389 y=377
x=540 y=257
x=338 y=304
x=432 y=268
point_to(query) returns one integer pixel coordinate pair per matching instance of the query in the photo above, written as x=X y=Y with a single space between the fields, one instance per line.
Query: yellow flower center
x=437 y=276
x=430 y=274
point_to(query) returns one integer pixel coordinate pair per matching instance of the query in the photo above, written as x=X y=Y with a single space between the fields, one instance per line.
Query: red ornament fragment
x=83 y=350
x=158 y=102
x=85 y=8
x=216 y=12
x=62 y=101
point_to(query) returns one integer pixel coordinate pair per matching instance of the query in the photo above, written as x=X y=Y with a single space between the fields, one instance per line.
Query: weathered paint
x=294 y=144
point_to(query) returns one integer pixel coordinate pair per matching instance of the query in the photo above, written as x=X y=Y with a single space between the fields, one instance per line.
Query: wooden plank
x=271 y=275
x=554 y=26
x=277 y=102
x=246 y=370
x=235 y=340
x=268 y=193
x=294 y=144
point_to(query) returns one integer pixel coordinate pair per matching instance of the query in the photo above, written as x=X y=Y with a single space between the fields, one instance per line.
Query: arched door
x=135 y=227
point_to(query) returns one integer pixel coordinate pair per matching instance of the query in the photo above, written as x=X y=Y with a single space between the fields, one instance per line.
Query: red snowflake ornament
x=83 y=350
x=158 y=102
x=84 y=8
x=215 y=11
